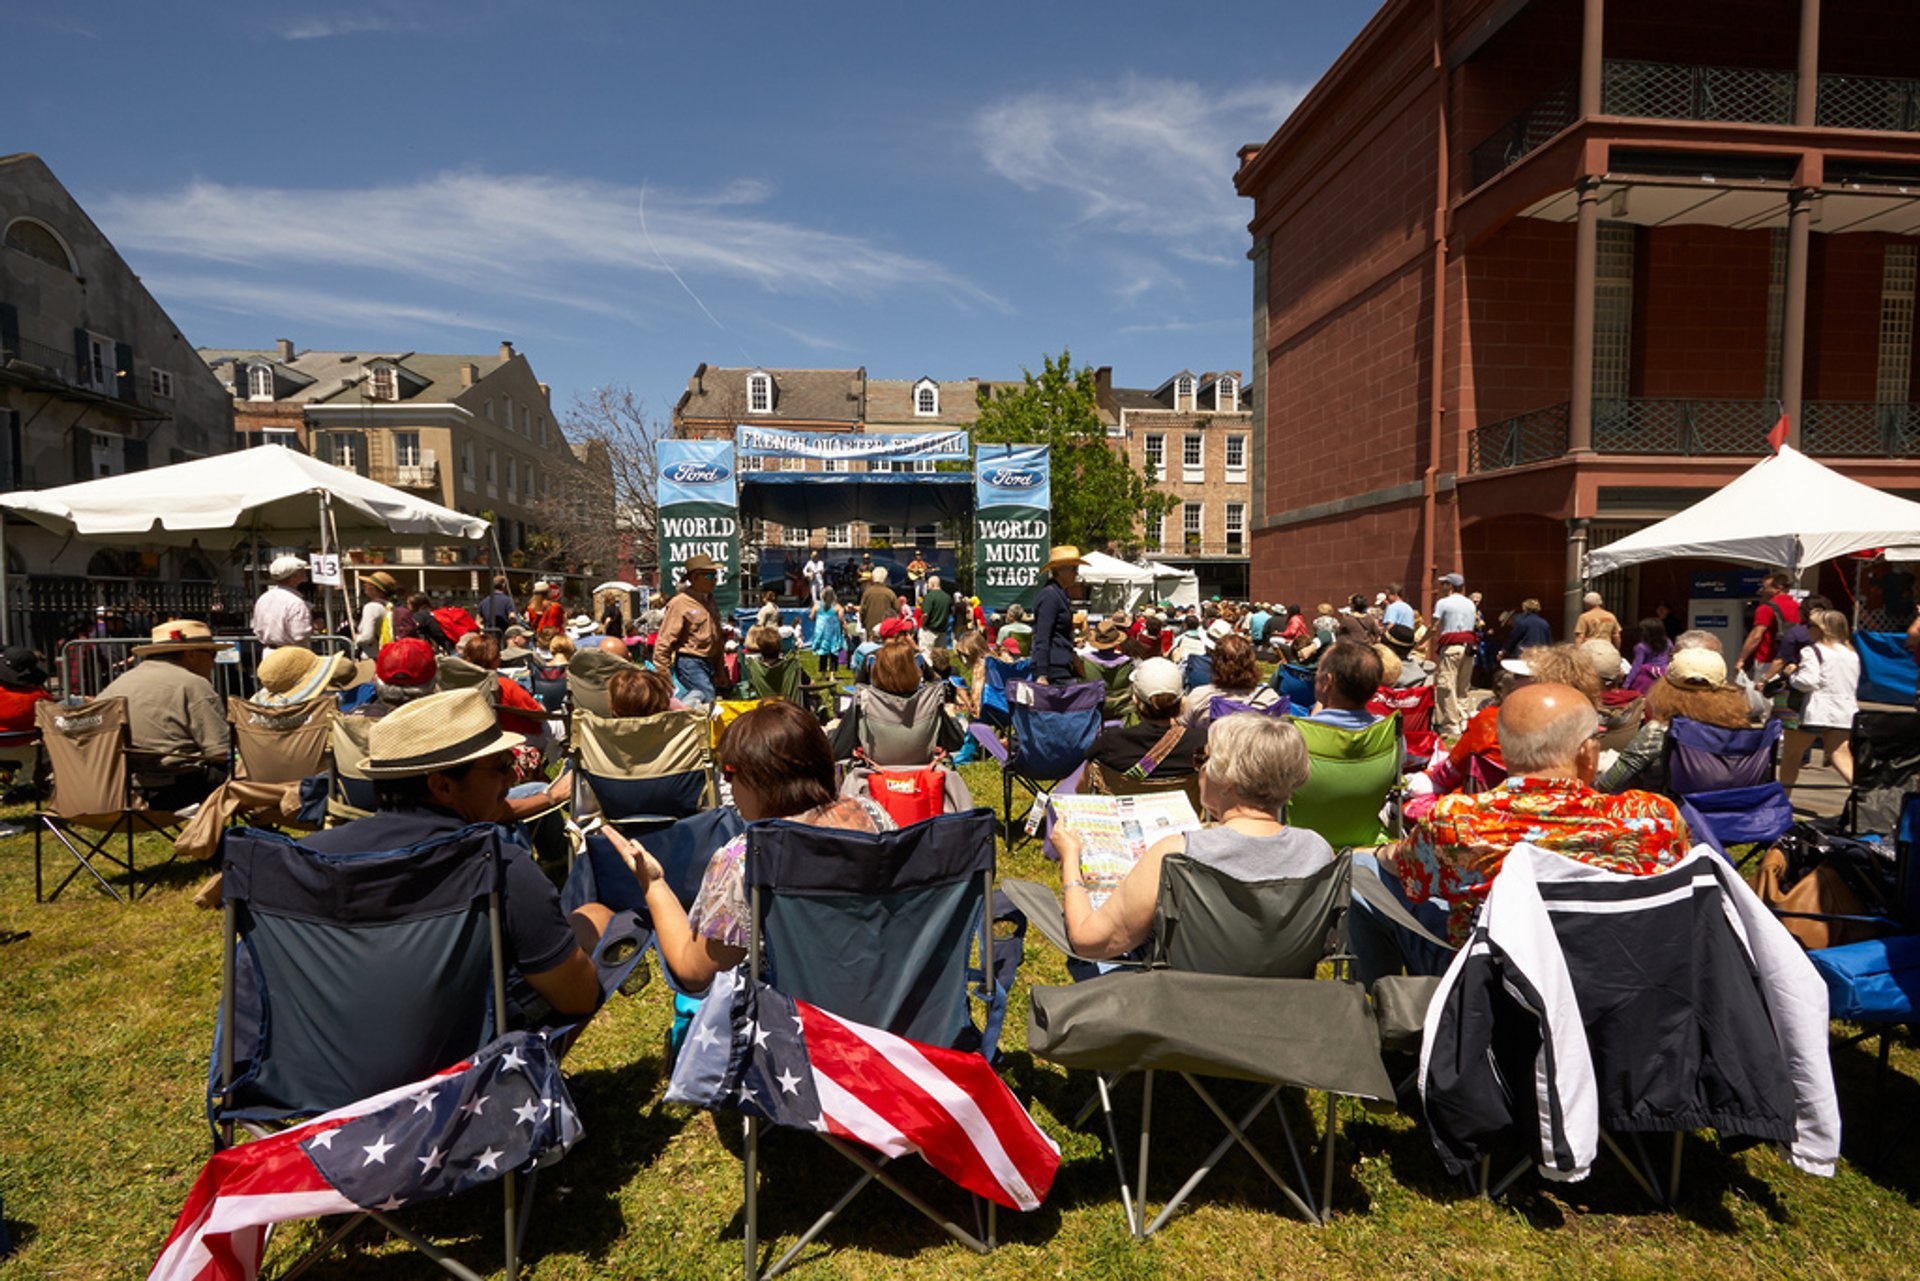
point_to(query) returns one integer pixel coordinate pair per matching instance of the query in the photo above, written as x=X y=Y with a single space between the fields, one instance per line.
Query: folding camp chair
x=784 y=678
x=588 y=674
x=1415 y=707
x=1295 y=680
x=1229 y=991
x=458 y=673
x=993 y=691
x=1117 y=676
x=1353 y=771
x=93 y=792
x=1226 y=705
x=549 y=685
x=1053 y=727
x=350 y=791
x=1726 y=777
x=344 y=976
x=1195 y=672
x=641 y=772
x=881 y=930
x=1886 y=763
x=893 y=729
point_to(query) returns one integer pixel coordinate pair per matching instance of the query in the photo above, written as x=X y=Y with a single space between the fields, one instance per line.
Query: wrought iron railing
x=1699 y=428
x=1869 y=102
x=1531 y=437
x=55 y=363
x=1671 y=91
x=1526 y=132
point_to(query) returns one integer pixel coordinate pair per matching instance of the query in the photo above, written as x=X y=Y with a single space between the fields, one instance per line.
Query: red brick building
x=1618 y=236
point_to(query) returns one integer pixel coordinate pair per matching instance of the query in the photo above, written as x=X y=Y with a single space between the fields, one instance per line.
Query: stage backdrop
x=699 y=512
x=1012 y=501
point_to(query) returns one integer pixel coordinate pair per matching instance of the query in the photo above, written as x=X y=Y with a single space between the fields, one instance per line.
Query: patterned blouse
x=720 y=909
x=1456 y=851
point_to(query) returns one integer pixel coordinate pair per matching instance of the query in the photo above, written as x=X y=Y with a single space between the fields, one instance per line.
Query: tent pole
x=6 y=594
x=324 y=545
x=346 y=583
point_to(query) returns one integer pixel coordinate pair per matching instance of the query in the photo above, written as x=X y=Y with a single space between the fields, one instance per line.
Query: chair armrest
x=1043 y=912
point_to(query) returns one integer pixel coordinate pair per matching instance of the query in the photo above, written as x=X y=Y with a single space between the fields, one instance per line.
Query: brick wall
x=1508 y=558
x=1700 y=313
x=1331 y=559
x=1519 y=300
x=1843 y=316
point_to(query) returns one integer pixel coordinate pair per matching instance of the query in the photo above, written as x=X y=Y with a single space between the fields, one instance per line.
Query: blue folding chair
x=549 y=685
x=1755 y=816
x=1724 y=782
x=881 y=930
x=346 y=976
x=993 y=693
x=642 y=772
x=1053 y=728
x=1295 y=681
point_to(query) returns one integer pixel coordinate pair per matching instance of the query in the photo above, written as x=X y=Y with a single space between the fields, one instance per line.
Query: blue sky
x=950 y=189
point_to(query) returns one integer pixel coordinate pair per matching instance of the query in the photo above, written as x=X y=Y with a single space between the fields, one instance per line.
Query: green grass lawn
x=109 y=1013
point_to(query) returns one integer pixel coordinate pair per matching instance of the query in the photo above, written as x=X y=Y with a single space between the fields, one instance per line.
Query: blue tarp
x=1887 y=670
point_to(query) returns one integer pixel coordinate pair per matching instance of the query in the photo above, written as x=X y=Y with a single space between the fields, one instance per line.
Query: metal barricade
x=87 y=665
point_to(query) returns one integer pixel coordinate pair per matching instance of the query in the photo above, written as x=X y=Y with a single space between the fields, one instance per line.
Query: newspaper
x=1116 y=830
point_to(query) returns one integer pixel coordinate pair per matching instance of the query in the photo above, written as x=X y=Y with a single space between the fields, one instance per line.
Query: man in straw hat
x=1053 y=617
x=282 y=616
x=174 y=714
x=689 y=646
x=376 y=618
x=439 y=765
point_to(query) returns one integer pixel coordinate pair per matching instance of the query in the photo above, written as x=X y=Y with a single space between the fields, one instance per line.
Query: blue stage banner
x=772 y=442
x=699 y=513
x=1013 y=501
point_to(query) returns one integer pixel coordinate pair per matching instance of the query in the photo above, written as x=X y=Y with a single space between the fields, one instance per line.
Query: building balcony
x=1698 y=429
x=1671 y=91
x=420 y=475
x=1196 y=547
x=38 y=367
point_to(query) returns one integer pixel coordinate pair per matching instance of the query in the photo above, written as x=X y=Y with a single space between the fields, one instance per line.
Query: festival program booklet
x=1116 y=830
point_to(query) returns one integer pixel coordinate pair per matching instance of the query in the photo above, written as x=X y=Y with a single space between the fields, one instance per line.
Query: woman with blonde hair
x=1829 y=674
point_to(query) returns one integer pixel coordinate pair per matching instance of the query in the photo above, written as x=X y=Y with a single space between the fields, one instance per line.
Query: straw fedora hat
x=297 y=674
x=700 y=564
x=1067 y=554
x=380 y=578
x=1107 y=635
x=178 y=634
x=435 y=733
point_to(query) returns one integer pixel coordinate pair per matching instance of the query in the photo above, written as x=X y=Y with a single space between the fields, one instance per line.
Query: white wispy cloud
x=326 y=26
x=576 y=241
x=1143 y=156
x=256 y=298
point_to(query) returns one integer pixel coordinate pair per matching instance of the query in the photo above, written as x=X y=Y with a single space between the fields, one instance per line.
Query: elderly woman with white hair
x=1250 y=767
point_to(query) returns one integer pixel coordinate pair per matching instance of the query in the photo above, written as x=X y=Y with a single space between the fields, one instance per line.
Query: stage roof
x=815 y=500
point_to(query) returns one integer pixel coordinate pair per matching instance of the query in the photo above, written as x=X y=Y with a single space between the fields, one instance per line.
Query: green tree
x=1099 y=497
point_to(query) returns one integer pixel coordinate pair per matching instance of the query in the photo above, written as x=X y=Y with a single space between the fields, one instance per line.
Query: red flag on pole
x=1778 y=436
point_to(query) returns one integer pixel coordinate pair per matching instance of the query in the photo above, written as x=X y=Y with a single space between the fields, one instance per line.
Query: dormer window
x=383 y=383
x=926 y=398
x=1183 y=392
x=759 y=393
x=1226 y=394
x=259 y=382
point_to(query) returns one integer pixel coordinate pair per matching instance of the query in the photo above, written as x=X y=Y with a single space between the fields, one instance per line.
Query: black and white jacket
x=1589 y=1000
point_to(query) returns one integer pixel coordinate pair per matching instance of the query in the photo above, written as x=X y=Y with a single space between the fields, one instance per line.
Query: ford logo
x=1013 y=478
x=688 y=473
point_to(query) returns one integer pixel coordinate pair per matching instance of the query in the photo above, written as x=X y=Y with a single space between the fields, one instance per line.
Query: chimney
x=506 y=351
x=547 y=392
x=469 y=374
x=1103 y=383
x=285 y=347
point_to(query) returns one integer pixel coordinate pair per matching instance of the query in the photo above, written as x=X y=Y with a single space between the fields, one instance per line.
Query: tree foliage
x=1099 y=497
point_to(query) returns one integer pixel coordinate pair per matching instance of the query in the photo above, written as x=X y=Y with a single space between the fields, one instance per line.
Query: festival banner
x=772 y=442
x=699 y=511
x=1013 y=500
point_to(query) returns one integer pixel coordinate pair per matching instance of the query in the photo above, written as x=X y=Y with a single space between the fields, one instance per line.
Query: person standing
x=544 y=609
x=936 y=614
x=829 y=638
x=1398 y=610
x=815 y=571
x=917 y=571
x=1597 y=622
x=1778 y=611
x=877 y=603
x=1053 y=617
x=496 y=612
x=282 y=616
x=690 y=642
x=375 y=629
x=1828 y=673
x=1528 y=630
x=1450 y=645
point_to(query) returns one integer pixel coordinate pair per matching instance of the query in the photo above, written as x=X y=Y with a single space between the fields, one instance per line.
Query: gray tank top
x=1290 y=852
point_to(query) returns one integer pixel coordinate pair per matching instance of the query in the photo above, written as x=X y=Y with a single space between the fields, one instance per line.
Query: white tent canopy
x=1181 y=586
x=1112 y=583
x=1786 y=510
x=219 y=501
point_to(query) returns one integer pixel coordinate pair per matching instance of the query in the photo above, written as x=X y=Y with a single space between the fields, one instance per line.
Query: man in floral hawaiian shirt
x=1549 y=738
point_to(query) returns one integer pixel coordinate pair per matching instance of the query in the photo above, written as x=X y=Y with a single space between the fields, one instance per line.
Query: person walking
x=1829 y=674
x=829 y=637
x=1450 y=645
x=690 y=641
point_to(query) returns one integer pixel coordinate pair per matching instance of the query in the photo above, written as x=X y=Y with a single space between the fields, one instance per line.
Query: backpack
x=454 y=623
x=907 y=793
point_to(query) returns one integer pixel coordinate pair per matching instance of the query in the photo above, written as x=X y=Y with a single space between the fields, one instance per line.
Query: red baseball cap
x=896 y=626
x=408 y=661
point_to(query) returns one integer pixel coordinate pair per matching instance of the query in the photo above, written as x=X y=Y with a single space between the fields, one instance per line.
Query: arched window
x=759 y=393
x=926 y=398
x=1183 y=392
x=37 y=240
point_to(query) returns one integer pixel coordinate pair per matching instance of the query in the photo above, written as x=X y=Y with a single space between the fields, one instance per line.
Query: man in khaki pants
x=1450 y=641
